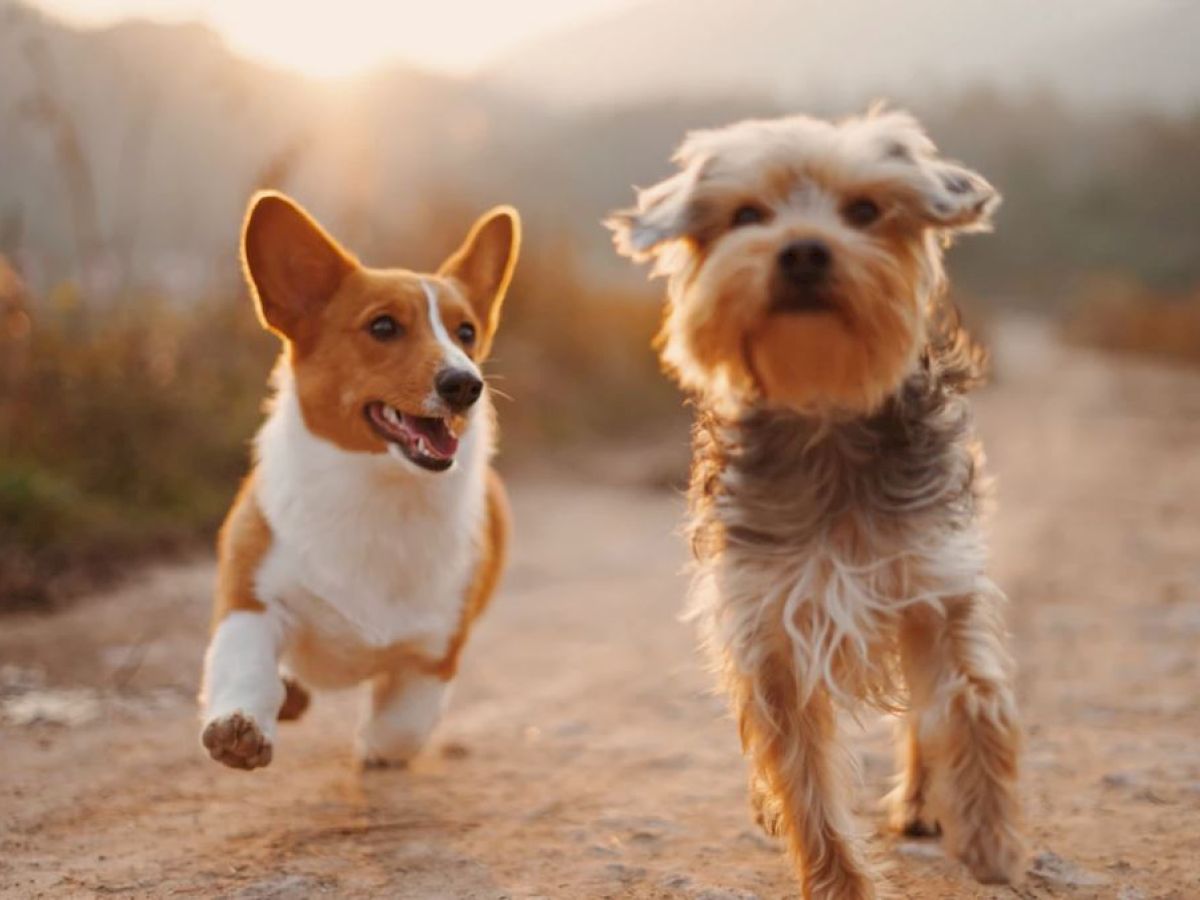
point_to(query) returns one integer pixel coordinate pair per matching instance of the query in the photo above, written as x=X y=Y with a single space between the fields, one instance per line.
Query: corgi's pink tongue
x=438 y=439
x=425 y=436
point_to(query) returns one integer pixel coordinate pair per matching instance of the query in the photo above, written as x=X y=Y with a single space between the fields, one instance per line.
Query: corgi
x=371 y=531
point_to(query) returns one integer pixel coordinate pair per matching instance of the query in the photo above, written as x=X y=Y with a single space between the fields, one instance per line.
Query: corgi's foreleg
x=242 y=692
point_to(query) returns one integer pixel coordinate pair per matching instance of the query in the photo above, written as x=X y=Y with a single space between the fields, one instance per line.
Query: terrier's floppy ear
x=955 y=198
x=663 y=213
x=484 y=266
x=292 y=264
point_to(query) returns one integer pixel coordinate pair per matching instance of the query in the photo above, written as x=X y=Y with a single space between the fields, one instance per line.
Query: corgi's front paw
x=237 y=740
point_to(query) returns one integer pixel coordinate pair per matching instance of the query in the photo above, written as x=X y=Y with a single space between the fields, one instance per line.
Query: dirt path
x=584 y=755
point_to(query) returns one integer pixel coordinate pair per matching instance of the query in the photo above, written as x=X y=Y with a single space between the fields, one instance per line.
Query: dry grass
x=123 y=429
x=124 y=426
x=1120 y=315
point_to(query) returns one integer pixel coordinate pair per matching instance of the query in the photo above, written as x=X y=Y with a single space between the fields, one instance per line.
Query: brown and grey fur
x=839 y=554
x=886 y=500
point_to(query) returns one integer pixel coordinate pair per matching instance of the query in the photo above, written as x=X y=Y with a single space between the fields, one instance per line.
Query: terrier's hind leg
x=908 y=802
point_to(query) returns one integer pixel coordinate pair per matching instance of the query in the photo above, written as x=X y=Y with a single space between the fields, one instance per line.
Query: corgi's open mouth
x=424 y=440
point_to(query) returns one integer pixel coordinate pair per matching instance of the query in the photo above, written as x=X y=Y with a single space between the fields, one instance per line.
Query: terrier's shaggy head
x=803 y=256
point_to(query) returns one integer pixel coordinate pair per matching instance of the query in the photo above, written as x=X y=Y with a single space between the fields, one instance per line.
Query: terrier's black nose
x=805 y=262
x=460 y=388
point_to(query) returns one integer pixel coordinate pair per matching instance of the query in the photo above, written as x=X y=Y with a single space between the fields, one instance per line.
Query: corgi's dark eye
x=466 y=334
x=385 y=328
x=861 y=212
x=748 y=215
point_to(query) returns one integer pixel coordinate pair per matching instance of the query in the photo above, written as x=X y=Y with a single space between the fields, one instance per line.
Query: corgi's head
x=383 y=360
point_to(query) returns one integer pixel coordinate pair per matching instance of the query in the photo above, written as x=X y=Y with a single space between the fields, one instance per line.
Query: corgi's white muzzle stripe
x=454 y=357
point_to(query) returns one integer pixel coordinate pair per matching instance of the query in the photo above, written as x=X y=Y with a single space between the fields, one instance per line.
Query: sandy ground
x=584 y=755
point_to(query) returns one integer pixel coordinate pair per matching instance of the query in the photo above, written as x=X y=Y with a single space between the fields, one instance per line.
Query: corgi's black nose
x=460 y=388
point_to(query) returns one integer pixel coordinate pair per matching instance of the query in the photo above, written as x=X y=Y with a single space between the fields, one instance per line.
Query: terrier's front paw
x=994 y=854
x=768 y=811
x=237 y=740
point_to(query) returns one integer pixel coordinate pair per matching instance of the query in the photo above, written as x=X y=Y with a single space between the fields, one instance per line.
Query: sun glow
x=342 y=39
x=348 y=37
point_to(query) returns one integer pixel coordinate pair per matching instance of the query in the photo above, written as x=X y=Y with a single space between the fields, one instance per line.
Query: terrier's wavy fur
x=836 y=490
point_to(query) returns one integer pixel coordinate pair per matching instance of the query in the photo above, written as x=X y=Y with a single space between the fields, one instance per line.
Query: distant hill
x=127 y=153
x=147 y=139
x=801 y=52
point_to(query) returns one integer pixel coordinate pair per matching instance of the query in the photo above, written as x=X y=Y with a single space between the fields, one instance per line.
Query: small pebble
x=1053 y=868
x=918 y=850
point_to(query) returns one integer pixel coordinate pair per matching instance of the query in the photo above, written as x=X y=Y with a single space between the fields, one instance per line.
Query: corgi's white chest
x=366 y=553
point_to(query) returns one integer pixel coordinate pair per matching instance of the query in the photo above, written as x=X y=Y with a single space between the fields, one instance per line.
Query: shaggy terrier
x=837 y=487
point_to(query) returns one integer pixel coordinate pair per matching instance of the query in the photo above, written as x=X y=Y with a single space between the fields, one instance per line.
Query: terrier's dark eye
x=748 y=215
x=466 y=334
x=385 y=328
x=861 y=212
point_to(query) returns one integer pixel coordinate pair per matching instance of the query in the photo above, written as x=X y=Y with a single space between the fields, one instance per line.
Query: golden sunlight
x=347 y=37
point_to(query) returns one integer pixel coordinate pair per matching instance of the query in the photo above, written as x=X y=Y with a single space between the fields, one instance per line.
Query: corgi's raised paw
x=237 y=741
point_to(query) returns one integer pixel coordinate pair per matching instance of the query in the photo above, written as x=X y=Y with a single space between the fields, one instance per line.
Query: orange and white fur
x=836 y=485
x=371 y=531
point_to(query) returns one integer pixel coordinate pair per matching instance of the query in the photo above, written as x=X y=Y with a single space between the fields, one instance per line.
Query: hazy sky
x=346 y=36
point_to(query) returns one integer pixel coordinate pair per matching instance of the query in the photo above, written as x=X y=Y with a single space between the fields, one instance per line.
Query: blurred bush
x=576 y=360
x=1118 y=314
x=123 y=428
x=125 y=425
x=126 y=412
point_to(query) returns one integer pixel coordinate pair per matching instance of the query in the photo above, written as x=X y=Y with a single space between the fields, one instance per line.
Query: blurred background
x=585 y=754
x=132 y=132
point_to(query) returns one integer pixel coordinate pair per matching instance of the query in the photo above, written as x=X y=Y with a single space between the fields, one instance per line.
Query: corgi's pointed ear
x=484 y=266
x=292 y=264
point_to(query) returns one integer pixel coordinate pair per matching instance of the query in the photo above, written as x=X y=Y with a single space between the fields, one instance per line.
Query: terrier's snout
x=805 y=263
x=459 y=388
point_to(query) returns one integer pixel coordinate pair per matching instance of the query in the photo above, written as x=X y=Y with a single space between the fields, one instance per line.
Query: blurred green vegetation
x=125 y=426
x=1118 y=314
x=125 y=417
x=1083 y=194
